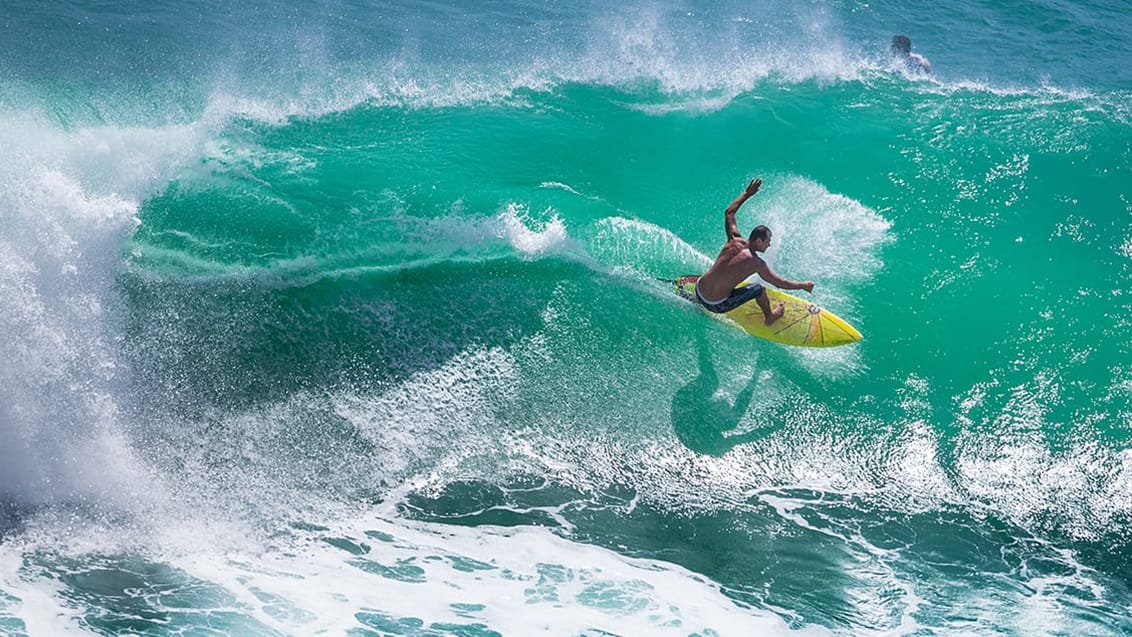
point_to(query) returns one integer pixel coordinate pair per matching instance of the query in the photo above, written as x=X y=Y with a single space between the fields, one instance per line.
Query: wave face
x=339 y=318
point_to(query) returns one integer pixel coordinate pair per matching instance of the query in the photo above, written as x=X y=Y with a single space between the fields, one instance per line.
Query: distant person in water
x=738 y=260
x=914 y=62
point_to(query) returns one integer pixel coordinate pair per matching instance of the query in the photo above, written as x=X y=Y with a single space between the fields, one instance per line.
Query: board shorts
x=738 y=296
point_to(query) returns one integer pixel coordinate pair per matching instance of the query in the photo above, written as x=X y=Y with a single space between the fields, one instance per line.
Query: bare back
x=734 y=264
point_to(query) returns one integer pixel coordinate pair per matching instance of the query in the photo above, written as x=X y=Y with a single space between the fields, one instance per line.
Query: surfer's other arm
x=730 y=225
x=771 y=277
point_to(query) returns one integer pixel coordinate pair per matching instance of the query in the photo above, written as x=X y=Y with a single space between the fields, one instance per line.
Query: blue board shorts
x=738 y=296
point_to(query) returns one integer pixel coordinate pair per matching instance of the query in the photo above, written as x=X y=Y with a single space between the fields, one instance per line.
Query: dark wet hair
x=901 y=44
x=760 y=232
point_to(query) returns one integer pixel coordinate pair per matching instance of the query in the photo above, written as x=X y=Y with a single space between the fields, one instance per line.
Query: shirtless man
x=914 y=62
x=738 y=260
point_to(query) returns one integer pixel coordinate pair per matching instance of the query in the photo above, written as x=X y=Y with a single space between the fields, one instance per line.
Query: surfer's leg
x=763 y=300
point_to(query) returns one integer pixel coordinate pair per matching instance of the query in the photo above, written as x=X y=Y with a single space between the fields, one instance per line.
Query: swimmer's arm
x=731 y=227
x=925 y=66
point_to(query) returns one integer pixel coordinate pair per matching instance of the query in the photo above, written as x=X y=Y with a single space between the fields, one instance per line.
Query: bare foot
x=776 y=314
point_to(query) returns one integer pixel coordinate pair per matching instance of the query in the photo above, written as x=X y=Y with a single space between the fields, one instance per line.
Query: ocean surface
x=349 y=318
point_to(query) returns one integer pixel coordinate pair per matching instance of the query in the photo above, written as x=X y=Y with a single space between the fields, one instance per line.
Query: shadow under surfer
x=700 y=418
x=913 y=62
x=738 y=260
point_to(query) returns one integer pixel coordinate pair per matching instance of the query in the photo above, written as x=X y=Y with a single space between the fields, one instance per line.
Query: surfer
x=914 y=62
x=738 y=260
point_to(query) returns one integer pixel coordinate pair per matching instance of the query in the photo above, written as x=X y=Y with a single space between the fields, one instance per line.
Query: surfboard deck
x=802 y=323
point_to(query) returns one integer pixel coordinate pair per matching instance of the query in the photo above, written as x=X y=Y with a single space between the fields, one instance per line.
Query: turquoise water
x=346 y=318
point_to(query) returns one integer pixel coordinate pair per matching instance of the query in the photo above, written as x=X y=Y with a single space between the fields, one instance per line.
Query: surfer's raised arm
x=730 y=225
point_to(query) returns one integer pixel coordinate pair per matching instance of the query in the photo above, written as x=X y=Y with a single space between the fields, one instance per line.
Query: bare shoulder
x=732 y=248
x=760 y=264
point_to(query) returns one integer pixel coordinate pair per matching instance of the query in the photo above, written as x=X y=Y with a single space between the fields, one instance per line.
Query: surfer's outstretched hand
x=753 y=187
x=807 y=286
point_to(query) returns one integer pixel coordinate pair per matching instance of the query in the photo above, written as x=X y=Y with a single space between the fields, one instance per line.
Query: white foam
x=514 y=226
x=631 y=43
x=527 y=240
x=635 y=244
x=829 y=237
x=1002 y=461
x=568 y=188
x=36 y=600
x=392 y=84
x=420 y=420
x=514 y=581
x=68 y=200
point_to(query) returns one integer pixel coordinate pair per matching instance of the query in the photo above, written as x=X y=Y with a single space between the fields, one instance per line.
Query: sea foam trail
x=393 y=575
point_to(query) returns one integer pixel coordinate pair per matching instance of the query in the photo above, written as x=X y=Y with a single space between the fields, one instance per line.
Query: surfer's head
x=901 y=45
x=759 y=239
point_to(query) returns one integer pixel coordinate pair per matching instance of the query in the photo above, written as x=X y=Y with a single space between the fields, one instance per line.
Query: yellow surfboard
x=802 y=322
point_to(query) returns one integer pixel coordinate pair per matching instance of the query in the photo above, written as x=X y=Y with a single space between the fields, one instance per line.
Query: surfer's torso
x=734 y=264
